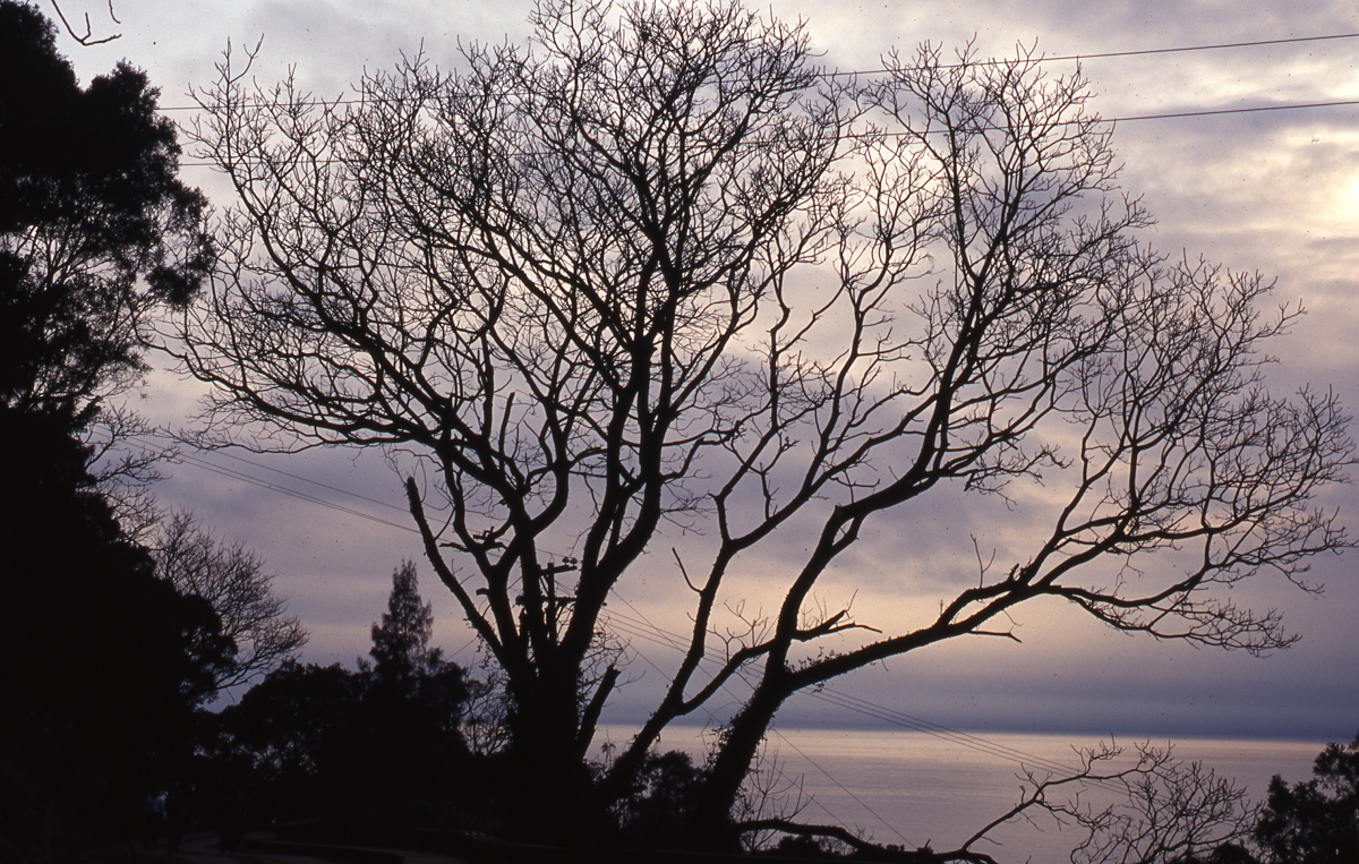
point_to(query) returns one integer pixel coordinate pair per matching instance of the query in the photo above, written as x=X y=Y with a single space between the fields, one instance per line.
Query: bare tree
x=1163 y=811
x=485 y=719
x=1168 y=811
x=658 y=272
x=233 y=580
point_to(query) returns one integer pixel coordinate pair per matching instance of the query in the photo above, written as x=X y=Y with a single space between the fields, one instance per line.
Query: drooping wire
x=880 y=712
x=666 y=638
x=643 y=628
x=1055 y=58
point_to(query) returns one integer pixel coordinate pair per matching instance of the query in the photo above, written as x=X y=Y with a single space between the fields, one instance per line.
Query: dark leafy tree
x=234 y=582
x=106 y=663
x=1228 y=853
x=278 y=741
x=1315 y=821
x=380 y=746
x=406 y=742
x=96 y=230
x=96 y=234
x=658 y=274
x=401 y=642
x=656 y=813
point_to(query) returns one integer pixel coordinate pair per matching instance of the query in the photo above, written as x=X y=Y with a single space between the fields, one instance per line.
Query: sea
x=915 y=788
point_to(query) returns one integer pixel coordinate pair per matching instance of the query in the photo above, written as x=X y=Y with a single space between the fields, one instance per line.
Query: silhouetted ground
x=262 y=848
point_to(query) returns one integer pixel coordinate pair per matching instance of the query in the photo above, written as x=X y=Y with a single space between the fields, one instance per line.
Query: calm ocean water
x=913 y=788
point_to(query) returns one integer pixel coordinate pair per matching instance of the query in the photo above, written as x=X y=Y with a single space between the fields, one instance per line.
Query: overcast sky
x=1275 y=192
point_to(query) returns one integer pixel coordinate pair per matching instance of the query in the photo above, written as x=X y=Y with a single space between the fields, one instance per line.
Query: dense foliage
x=96 y=230
x=107 y=663
x=1315 y=821
x=377 y=747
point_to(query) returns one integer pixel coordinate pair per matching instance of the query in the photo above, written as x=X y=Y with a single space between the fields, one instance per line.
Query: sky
x=1275 y=192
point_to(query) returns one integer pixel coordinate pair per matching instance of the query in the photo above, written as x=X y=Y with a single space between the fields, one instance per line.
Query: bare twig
x=87 y=38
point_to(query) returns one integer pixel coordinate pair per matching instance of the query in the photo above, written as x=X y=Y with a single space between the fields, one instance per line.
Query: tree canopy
x=96 y=229
x=657 y=275
x=1314 y=821
x=378 y=747
x=107 y=664
x=401 y=642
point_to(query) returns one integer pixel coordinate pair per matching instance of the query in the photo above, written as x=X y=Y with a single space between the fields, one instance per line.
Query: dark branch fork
x=615 y=285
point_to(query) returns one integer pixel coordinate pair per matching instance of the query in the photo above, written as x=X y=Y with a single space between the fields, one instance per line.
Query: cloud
x=1275 y=192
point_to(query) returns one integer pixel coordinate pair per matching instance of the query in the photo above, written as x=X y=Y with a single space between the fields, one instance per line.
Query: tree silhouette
x=407 y=743
x=1316 y=821
x=95 y=228
x=656 y=814
x=233 y=581
x=660 y=281
x=401 y=642
x=96 y=234
x=107 y=663
x=369 y=750
x=279 y=740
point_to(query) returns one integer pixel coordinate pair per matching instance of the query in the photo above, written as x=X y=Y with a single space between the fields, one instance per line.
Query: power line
x=842 y=788
x=1215 y=112
x=292 y=493
x=875 y=710
x=643 y=628
x=1147 y=52
x=201 y=463
x=853 y=136
x=1056 y=58
x=317 y=483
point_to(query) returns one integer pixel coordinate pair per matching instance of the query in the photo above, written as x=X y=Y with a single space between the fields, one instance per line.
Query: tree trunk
x=713 y=827
x=549 y=785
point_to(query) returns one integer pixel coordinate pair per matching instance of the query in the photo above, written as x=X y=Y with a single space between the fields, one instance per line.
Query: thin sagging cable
x=647 y=630
x=1005 y=753
x=892 y=716
x=1219 y=46
x=969 y=741
x=297 y=494
x=900 y=718
x=811 y=799
x=316 y=483
x=785 y=739
x=290 y=475
x=1056 y=58
x=199 y=461
x=1217 y=112
x=293 y=493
